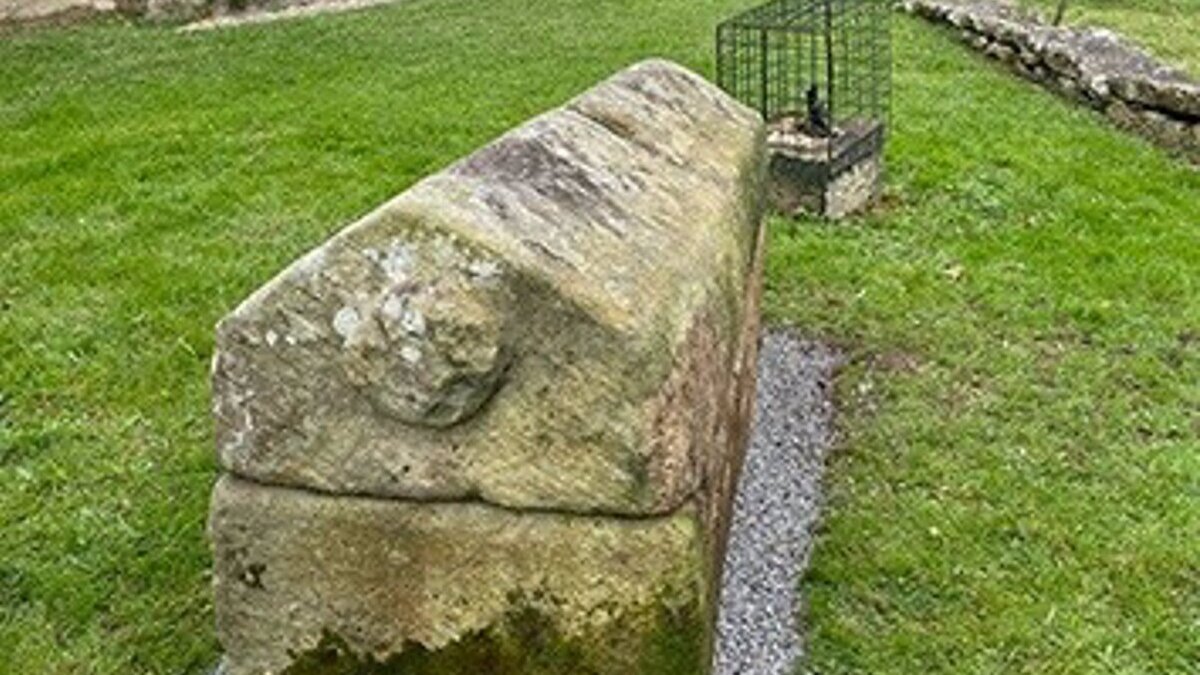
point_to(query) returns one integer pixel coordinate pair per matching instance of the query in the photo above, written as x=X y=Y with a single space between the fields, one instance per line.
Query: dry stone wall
x=14 y=12
x=495 y=425
x=1093 y=66
x=27 y=12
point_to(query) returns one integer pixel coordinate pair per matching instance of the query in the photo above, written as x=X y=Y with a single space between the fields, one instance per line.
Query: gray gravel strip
x=776 y=509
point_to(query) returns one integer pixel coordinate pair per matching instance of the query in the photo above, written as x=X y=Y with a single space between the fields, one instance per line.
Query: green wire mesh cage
x=819 y=72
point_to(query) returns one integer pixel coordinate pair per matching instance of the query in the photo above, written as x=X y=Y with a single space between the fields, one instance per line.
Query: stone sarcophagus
x=495 y=425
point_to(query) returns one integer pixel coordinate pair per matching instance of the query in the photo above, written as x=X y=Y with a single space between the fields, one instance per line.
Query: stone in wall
x=39 y=11
x=495 y=425
x=23 y=12
x=175 y=10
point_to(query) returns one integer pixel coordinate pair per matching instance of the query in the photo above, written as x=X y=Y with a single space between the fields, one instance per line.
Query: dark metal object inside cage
x=819 y=71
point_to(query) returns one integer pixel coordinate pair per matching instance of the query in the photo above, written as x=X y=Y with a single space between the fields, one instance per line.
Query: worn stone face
x=460 y=340
x=30 y=11
x=67 y=11
x=313 y=583
x=495 y=425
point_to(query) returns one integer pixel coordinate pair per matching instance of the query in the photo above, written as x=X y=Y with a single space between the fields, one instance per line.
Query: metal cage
x=814 y=63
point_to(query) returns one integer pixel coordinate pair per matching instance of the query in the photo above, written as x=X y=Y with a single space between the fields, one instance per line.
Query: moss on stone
x=678 y=643
x=675 y=641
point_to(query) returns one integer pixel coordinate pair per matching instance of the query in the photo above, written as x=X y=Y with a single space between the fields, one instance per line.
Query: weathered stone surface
x=1120 y=114
x=855 y=189
x=1167 y=131
x=309 y=583
x=459 y=341
x=28 y=11
x=495 y=425
x=1165 y=93
x=215 y=12
x=175 y=10
x=1002 y=52
x=64 y=11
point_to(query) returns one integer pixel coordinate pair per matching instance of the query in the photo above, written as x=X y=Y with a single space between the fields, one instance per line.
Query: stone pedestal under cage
x=831 y=176
x=819 y=72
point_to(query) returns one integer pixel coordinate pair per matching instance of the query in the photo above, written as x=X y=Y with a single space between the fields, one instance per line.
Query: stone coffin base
x=309 y=583
x=808 y=176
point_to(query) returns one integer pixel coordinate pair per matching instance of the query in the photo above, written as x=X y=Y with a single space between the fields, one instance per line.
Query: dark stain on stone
x=618 y=127
x=657 y=99
x=527 y=642
x=545 y=251
x=498 y=206
x=252 y=575
x=531 y=163
x=624 y=131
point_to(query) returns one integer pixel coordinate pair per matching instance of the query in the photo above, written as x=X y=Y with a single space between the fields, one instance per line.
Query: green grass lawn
x=1169 y=28
x=1019 y=487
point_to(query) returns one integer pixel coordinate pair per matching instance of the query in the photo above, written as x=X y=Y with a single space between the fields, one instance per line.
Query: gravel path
x=776 y=509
